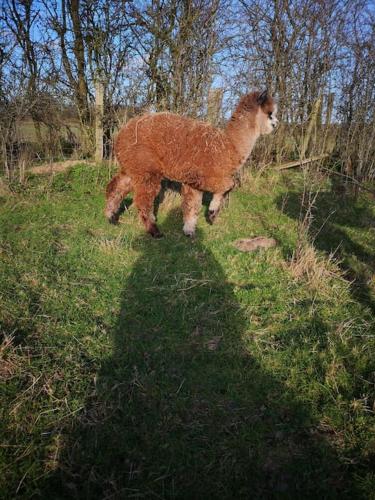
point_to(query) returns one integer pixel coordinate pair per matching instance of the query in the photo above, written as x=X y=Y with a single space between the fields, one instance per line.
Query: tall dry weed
x=306 y=263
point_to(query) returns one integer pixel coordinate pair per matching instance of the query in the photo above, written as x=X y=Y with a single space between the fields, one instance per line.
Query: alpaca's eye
x=270 y=115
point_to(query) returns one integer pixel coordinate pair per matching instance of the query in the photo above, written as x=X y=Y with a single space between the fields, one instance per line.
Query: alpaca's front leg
x=146 y=189
x=191 y=205
x=117 y=189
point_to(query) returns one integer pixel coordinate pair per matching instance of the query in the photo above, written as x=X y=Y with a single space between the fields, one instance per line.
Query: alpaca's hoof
x=157 y=236
x=113 y=219
x=190 y=234
x=189 y=228
x=212 y=215
x=154 y=231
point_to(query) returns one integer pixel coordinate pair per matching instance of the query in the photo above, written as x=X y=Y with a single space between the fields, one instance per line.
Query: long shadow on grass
x=332 y=214
x=182 y=409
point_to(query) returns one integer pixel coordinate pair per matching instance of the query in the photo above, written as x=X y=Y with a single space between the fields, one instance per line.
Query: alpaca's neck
x=243 y=134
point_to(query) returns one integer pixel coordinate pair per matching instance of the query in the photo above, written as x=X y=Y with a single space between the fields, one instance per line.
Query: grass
x=28 y=135
x=136 y=368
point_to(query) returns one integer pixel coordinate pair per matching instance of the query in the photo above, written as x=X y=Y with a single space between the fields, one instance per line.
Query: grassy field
x=135 y=368
x=26 y=130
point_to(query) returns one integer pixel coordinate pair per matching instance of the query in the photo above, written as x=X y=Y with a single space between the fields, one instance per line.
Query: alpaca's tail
x=117 y=189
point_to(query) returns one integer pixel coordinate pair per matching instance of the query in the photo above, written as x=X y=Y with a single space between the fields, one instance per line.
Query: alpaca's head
x=260 y=109
x=267 y=113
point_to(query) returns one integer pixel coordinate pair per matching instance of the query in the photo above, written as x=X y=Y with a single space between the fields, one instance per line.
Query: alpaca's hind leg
x=222 y=189
x=117 y=189
x=215 y=206
x=191 y=205
x=145 y=192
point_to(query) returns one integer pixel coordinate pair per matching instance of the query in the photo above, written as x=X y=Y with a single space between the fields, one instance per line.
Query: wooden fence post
x=99 y=94
x=330 y=131
x=310 y=126
x=330 y=100
x=215 y=100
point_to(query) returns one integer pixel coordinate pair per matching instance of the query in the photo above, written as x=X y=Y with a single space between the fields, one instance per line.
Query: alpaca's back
x=177 y=147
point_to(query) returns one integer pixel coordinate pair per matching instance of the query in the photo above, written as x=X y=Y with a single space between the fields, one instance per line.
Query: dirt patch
x=251 y=244
x=52 y=168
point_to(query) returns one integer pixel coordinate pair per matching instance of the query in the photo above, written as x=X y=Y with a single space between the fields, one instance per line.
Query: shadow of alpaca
x=331 y=215
x=181 y=408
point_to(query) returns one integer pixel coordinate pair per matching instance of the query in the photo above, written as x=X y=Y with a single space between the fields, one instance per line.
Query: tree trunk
x=215 y=99
x=99 y=121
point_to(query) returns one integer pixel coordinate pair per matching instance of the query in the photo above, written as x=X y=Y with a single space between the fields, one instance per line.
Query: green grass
x=136 y=368
x=28 y=134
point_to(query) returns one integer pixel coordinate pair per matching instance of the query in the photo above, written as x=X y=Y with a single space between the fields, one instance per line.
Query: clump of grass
x=170 y=199
x=306 y=264
x=9 y=360
x=316 y=270
x=110 y=245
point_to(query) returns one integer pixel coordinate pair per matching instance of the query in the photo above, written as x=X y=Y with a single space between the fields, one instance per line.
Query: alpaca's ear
x=262 y=98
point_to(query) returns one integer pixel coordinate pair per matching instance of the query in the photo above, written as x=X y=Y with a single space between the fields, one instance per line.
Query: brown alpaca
x=203 y=158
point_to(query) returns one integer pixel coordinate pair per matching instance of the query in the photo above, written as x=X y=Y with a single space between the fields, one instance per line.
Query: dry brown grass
x=170 y=199
x=316 y=270
x=4 y=189
x=9 y=360
x=55 y=167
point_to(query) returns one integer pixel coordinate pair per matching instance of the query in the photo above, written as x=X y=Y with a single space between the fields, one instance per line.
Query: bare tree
x=357 y=95
x=109 y=54
x=65 y=21
x=20 y=17
x=177 y=41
